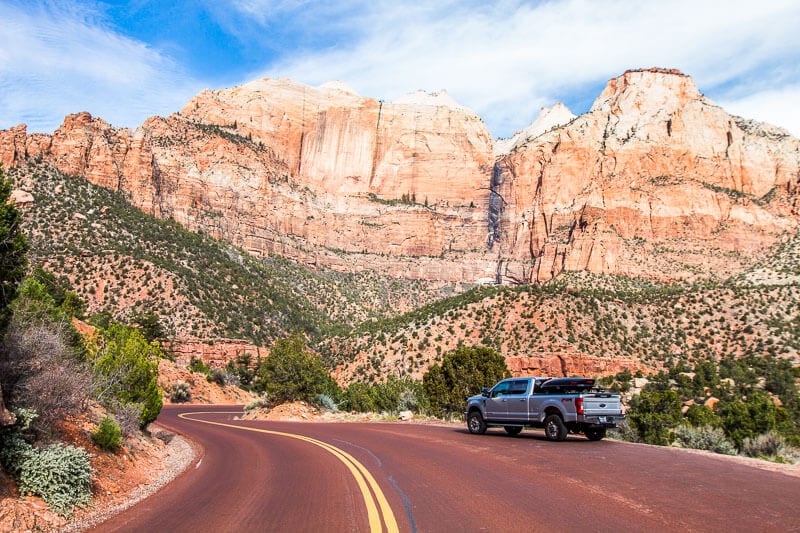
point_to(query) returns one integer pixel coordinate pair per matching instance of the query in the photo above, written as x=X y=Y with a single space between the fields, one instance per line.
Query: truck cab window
x=519 y=386
x=501 y=389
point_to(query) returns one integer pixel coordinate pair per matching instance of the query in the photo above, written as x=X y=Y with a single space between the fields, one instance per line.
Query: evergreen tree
x=292 y=373
x=463 y=373
x=13 y=247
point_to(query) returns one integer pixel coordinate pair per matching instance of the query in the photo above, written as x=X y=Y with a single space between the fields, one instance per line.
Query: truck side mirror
x=484 y=391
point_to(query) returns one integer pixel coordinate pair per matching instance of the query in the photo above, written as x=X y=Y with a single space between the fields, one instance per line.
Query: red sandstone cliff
x=654 y=180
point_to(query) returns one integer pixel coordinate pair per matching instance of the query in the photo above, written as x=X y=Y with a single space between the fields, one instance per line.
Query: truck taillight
x=579 y=405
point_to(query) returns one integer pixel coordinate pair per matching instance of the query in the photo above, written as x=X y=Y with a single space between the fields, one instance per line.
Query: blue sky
x=126 y=60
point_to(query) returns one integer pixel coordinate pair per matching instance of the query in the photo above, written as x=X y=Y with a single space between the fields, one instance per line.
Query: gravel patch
x=179 y=455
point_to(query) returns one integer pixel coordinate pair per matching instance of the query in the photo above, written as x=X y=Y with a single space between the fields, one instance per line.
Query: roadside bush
x=395 y=395
x=128 y=417
x=181 y=393
x=291 y=373
x=258 y=403
x=326 y=402
x=463 y=372
x=625 y=432
x=61 y=475
x=108 y=434
x=126 y=371
x=357 y=397
x=700 y=415
x=704 y=438
x=653 y=414
x=770 y=446
x=748 y=419
x=39 y=368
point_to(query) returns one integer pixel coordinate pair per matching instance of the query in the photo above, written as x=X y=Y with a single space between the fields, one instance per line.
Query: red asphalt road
x=444 y=479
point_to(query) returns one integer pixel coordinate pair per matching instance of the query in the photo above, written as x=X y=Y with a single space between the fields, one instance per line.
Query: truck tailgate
x=600 y=404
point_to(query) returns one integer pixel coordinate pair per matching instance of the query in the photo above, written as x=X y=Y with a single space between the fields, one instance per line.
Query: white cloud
x=507 y=58
x=57 y=59
x=779 y=107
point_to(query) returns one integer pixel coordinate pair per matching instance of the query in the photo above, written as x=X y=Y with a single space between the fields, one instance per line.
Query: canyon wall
x=654 y=180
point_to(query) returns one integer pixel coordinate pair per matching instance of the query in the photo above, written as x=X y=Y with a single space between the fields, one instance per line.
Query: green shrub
x=181 y=393
x=13 y=246
x=126 y=371
x=197 y=365
x=462 y=373
x=61 y=475
x=14 y=450
x=108 y=434
x=704 y=438
x=292 y=373
x=654 y=413
x=357 y=397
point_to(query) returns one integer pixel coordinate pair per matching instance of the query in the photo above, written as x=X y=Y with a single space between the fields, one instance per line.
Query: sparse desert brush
x=258 y=403
x=181 y=393
x=770 y=446
x=704 y=438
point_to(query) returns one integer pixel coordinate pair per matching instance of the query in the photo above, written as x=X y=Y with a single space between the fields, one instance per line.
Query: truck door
x=496 y=403
x=517 y=400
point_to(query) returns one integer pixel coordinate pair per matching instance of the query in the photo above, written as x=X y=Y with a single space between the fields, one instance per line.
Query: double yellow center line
x=370 y=490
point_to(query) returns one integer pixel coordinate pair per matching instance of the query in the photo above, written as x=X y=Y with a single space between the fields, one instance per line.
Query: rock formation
x=655 y=180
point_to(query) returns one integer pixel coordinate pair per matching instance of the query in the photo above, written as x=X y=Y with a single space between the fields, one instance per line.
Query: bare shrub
x=128 y=416
x=770 y=446
x=41 y=371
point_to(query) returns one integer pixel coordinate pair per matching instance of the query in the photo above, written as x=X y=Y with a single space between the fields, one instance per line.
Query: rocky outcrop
x=215 y=353
x=654 y=180
x=571 y=363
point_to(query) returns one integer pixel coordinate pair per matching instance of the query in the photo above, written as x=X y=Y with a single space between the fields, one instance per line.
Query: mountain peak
x=548 y=118
x=643 y=89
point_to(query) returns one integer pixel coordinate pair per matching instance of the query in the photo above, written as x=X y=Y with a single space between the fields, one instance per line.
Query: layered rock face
x=654 y=180
x=320 y=175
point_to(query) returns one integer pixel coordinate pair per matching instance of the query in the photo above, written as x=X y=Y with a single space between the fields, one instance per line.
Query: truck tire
x=513 y=430
x=595 y=433
x=475 y=423
x=554 y=428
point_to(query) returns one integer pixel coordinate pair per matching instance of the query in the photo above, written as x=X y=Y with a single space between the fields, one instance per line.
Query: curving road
x=284 y=476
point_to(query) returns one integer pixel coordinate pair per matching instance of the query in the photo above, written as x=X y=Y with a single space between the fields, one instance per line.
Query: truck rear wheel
x=475 y=423
x=595 y=433
x=554 y=428
x=513 y=430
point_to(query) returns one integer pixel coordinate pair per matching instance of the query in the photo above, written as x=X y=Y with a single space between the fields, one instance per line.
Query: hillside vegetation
x=123 y=262
x=757 y=313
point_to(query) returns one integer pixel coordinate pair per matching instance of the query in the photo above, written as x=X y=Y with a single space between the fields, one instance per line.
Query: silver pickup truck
x=559 y=405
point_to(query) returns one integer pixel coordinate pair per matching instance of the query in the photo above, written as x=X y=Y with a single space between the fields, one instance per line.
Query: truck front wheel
x=554 y=428
x=475 y=423
x=595 y=433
